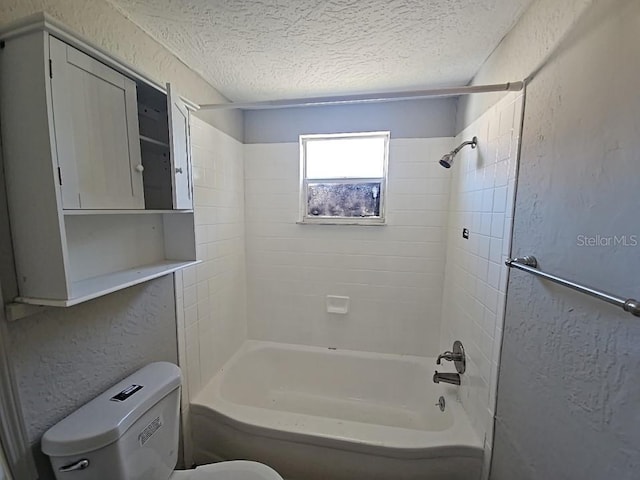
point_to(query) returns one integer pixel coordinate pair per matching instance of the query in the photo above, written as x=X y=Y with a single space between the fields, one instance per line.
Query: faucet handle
x=448 y=356
x=456 y=356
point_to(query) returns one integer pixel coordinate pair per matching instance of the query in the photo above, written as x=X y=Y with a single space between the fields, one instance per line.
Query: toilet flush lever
x=79 y=465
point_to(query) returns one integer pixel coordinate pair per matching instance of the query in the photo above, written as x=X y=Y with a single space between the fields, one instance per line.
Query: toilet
x=130 y=432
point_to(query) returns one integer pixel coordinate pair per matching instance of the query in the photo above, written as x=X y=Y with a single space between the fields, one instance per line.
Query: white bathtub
x=320 y=414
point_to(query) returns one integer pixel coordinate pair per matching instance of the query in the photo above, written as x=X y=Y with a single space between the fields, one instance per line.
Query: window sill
x=369 y=222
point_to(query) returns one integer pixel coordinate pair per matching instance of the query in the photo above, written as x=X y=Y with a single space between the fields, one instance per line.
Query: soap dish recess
x=337 y=304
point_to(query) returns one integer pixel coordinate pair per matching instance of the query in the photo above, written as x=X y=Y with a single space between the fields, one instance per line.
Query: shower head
x=447 y=159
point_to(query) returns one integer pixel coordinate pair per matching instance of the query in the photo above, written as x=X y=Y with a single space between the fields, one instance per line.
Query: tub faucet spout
x=452 y=378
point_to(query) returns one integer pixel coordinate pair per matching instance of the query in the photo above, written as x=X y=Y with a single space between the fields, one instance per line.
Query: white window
x=343 y=177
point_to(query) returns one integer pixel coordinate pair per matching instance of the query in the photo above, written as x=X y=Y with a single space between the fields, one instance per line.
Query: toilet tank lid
x=107 y=417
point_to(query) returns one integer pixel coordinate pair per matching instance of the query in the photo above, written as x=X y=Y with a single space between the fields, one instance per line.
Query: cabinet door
x=96 y=132
x=181 y=176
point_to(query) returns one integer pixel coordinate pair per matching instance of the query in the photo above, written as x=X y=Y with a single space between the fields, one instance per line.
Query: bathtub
x=321 y=414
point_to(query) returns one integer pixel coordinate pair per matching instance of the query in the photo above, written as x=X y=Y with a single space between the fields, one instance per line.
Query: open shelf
x=153 y=141
x=121 y=212
x=91 y=288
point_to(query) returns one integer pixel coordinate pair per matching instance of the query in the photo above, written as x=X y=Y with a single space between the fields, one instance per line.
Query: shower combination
x=447 y=159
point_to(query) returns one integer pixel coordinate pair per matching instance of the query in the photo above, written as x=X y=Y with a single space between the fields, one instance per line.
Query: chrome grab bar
x=529 y=264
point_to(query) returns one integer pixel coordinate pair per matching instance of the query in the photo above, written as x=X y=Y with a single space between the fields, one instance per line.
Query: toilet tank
x=130 y=432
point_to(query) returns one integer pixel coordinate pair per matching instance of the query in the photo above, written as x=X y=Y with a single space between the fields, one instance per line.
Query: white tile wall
x=392 y=274
x=482 y=197
x=211 y=296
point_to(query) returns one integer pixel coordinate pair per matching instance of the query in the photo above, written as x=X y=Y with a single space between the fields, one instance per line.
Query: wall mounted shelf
x=124 y=212
x=90 y=288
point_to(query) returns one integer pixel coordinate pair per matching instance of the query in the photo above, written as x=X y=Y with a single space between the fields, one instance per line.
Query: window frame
x=304 y=218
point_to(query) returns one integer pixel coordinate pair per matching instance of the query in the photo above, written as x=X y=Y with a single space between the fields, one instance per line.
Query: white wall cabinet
x=96 y=132
x=98 y=168
x=179 y=132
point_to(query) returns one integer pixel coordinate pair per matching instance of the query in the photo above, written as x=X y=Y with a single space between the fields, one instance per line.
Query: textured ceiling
x=276 y=49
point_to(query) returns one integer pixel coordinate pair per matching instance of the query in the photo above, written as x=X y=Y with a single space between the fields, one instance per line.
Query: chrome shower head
x=447 y=159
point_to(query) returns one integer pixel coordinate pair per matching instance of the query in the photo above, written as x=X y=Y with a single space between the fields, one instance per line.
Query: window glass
x=344 y=199
x=343 y=177
x=359 y=157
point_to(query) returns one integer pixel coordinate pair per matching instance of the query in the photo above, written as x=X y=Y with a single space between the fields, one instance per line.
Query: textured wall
x=211 y=296
x=568 y=389
x=482 y=195
x=100 y=23
x=393 y=274
x=65 y=357
x=538 y=32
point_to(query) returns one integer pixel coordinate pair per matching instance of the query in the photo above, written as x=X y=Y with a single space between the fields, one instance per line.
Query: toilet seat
x=232 y=470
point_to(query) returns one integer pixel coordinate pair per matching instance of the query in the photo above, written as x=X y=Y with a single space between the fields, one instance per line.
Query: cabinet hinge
x=59 y=175
x=50 y=68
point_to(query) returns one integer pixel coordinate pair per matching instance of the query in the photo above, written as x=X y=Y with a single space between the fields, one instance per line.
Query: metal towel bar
x=530 y=264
